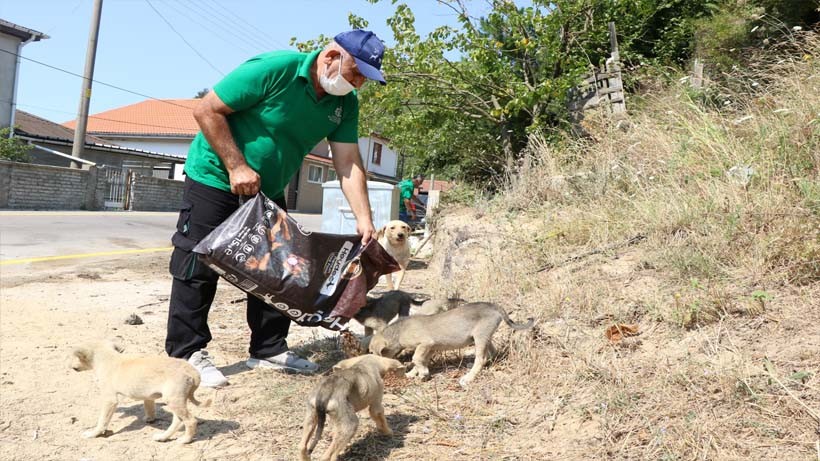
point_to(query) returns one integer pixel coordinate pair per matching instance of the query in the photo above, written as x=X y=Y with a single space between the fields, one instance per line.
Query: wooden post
x=615 y=84
x=697 y=75
x=613 y=43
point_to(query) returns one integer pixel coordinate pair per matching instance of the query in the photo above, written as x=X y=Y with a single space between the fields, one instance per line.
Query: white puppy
x=394 y=238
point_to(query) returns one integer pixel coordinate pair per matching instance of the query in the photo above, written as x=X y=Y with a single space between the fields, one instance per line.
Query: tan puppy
x=394 y=238
x=141 y=378
x=356 y=383
x=472 y=323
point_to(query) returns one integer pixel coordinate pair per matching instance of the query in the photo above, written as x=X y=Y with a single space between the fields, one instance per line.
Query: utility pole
x=88 y=76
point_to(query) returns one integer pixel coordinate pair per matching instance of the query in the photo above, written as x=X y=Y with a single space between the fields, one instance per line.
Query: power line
x=183 y=38
x=209 y=16
x=94 y=80
x=188 y=14
x=259 y=31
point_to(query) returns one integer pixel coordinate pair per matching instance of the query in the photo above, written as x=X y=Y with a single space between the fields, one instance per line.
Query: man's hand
x=366 y=230
x=244 y=181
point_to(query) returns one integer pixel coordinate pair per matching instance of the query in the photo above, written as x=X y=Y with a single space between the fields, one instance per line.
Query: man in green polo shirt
x=407 y=194
x=257 y=125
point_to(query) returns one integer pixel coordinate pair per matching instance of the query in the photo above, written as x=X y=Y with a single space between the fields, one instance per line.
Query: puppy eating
x=355 y=384
x=141 y=378
x=378 y=312
x=394 y=238
x=472 y=323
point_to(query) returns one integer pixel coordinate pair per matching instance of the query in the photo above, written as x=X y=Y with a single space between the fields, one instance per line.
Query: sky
x=171 y=49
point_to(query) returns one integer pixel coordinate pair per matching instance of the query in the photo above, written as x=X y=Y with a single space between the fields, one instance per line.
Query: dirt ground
x=45 y=405
x=741 y=386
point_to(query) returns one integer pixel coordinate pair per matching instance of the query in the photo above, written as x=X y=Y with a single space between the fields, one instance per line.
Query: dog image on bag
x=394 y=237
x=378 y=312
x=466 y=325
x=355 y=384
x=141 y=378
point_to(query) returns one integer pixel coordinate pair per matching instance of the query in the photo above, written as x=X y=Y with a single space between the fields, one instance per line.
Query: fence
x=602 y=87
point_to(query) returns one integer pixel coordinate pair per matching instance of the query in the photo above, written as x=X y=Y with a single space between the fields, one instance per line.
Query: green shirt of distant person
x=407 y=194
x=406 y=189
x=277 y=120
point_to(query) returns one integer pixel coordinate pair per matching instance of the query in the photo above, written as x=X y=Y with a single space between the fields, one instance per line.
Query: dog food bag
x=316 y=279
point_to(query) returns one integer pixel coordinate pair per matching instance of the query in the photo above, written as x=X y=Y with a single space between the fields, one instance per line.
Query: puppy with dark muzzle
x=469 y=324
x=355 y=384
x=378 y=312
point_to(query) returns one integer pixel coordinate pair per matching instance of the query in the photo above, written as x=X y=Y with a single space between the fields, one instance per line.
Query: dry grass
x=656 y=225
x=642 y=226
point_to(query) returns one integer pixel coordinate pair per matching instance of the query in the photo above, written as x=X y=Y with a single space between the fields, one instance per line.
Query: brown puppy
x=355 y=384
x=394 y=238
x=141 y=378
x=473 y=323
x=378 y=312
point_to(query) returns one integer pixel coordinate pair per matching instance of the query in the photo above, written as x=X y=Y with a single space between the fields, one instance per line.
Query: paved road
x=77 y=234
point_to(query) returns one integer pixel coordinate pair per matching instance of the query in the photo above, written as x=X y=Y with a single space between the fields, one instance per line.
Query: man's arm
x=211 y=115
x=353 y=181
x=408 y=205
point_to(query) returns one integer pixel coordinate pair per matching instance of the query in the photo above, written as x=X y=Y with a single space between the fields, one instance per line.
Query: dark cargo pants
x=194 y=284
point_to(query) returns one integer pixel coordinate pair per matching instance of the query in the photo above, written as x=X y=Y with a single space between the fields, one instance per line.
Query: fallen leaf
x=620 y=331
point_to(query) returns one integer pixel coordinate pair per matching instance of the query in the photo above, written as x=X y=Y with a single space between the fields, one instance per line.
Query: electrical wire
x=93 y=80
x=229 y=13
x=209 y=15
x=183 y=38
x=188 y=14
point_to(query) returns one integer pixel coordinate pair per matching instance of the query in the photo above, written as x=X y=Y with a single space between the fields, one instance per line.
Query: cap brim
x=369 y=71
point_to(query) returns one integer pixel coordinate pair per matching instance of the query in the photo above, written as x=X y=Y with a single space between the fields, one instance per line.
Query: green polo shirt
x=277 y=120
x=406 y=189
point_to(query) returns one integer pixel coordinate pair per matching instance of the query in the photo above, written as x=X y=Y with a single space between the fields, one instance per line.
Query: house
x=168 y=126
x=153 y=125
x=49 y=140
x=51 y=144
x=12 y=40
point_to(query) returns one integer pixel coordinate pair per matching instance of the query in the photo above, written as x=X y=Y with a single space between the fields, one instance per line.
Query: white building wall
x=8 y=71
x=389 y=160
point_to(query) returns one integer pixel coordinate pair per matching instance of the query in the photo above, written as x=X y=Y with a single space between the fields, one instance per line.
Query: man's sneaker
x=286 y=361
x=210 y=375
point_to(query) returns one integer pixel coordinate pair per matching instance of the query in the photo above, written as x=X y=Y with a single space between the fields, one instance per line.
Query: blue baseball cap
x=367 y=50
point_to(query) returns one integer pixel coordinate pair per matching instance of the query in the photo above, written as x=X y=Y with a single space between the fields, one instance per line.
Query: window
x=377 y=154
x=315 y=174
x=331 y=175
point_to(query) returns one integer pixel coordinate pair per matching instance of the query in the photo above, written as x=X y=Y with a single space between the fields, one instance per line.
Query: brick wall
x=42 y=187
x=155 y=194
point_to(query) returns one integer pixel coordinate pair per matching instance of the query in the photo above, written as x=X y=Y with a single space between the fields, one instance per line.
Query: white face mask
x=336 y=86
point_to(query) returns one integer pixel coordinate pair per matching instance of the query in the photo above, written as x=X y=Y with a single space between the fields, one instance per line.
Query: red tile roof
x=150 y=118
x=439 y=185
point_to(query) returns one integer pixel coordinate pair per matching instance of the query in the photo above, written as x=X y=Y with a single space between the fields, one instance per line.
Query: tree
x=201 y=93
x=13 y=149
x=464 y=100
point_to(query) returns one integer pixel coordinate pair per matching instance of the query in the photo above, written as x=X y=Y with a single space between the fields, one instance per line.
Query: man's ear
x=329 y=55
